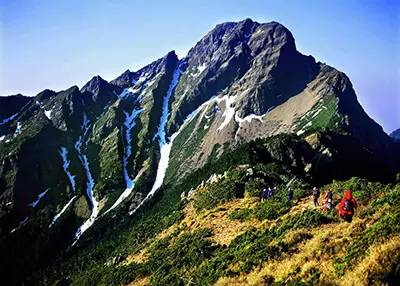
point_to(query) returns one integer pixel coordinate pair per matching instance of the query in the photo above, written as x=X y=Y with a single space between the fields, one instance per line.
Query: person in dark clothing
x=329 y=200
x=271 y=192
x=290 y=195
x=264 y=194
x=316 y=194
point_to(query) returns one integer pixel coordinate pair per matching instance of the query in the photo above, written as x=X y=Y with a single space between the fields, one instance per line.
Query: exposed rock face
x=273 y=89
x=70 y=157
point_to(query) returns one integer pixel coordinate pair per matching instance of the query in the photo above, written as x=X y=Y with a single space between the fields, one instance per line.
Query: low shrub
x=226 y=189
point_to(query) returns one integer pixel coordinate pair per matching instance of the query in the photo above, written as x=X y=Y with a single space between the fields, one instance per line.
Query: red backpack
x=348 y=205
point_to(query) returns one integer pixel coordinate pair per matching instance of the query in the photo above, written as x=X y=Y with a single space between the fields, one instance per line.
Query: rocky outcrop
x=274 y=89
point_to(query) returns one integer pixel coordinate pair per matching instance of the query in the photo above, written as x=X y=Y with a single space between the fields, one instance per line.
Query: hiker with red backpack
x=347 y=206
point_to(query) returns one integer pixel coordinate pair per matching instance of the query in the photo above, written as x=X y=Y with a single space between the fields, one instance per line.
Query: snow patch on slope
x=165 y=148
x=129 y=123
x=58 y=215
x=165 y=151
x=18 y=130
x=90 y=181
x=300 y=132
x=163 y=163
x=142 y=78
x=48 y=113
x=64 y=155
x=165 y=107
x=36 y=202
x=6 y=120
x=22 y=223
x=93 y=202
x=248 y=119
x=139 y=86
x=199 y=70
x=229 y=112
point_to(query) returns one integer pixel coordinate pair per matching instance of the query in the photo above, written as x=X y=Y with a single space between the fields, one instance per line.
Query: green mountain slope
x=89 y=176
x=219 y=232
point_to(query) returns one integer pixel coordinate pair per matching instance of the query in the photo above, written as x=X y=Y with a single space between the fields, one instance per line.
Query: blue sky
x=57 y=44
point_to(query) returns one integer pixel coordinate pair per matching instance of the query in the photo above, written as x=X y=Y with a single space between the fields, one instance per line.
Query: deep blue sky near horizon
x=57 y=44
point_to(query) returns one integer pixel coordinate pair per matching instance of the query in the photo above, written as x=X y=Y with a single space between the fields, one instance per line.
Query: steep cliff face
x=70 y=160
x=277 y=90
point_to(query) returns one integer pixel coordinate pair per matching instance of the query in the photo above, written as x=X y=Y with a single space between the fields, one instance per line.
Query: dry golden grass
x=139 y=257
x=379 y=260
x=313 y=254
x=224 y=229
x=317 y=253
x=141 y=281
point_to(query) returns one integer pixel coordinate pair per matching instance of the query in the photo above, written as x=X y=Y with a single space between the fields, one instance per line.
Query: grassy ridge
x=222 y=234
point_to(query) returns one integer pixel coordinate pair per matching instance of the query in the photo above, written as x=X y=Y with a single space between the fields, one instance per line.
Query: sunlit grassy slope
x=212 y=229
x=301 y=246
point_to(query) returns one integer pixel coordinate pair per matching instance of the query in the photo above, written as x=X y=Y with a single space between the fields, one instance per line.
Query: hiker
x=290 y=195
x=264 y=194
x=347 y=206
x=271 y=192
x=329 y=200
x=316 y=194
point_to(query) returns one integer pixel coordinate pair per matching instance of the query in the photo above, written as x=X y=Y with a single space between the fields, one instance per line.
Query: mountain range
x=81 y=162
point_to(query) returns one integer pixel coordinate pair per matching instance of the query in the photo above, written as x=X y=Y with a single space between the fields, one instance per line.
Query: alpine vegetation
x=243 y=163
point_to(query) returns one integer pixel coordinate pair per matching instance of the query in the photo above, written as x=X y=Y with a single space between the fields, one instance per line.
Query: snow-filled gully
x=90 y=181
x=165 y=147
x=58 y=215
x=66 y=162
x=40 y=196
x=64 y=155
x=129 y=123
x=6 y=120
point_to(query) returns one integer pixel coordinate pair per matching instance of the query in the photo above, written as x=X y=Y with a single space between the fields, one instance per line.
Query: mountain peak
x=94 y=84
x=171 y=54
x=45 y=94
x=128 y=77
x=170 y=58
x=258 y=37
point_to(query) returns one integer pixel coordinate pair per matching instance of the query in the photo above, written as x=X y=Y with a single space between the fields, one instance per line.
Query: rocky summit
x=91 y=176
